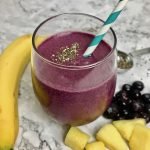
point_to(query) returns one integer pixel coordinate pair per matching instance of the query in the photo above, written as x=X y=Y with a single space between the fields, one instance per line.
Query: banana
x=13 y=61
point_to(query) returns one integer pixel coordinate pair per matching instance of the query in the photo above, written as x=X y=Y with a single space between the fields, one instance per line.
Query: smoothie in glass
x=73 y=89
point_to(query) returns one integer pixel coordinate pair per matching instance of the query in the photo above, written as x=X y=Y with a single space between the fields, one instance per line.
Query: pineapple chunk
x=76 y=139
x=95 y=146
x=140 y=138
x=125 y=127
x=111 y=138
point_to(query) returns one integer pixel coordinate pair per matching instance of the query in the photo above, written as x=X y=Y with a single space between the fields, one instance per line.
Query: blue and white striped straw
x=108 y=23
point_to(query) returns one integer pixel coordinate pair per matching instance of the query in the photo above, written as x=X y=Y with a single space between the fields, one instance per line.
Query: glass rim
x=71 y=67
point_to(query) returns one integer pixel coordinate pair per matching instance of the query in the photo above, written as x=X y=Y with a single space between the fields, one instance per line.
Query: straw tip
x=86 y=56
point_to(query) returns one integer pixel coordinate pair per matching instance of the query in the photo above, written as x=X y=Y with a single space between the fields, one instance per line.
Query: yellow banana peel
x=13 y=61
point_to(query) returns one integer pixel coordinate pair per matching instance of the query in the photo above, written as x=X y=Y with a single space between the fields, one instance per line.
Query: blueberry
x=117 y=116
x=124 y=102
x=135 y=94
x=118 y=95
x=130 y=116
x=111 y=112
x=121 y=118
x=138 y=115
x=125 y=113
x=122 y=99
x=113 y=99
x=121 y=95
x=146 y=117
x=143 y=115
x=107 y=114
x=126 y=87
x=138 y=85
x=146 y=98
x=137 y=106
x=147 y=108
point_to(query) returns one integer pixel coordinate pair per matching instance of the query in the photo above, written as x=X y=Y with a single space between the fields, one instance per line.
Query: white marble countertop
x=17 y=17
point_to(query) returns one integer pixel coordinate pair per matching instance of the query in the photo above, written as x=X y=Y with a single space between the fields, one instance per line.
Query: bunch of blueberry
x=129 y=103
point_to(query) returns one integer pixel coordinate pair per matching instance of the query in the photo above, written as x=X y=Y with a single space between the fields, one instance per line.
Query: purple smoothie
x=69 y=94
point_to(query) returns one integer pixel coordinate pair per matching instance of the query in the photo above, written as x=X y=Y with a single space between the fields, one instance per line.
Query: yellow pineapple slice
x=95 y=146
x=140 y=138
x=76 y=139
x=111 y=138
x=125 y=127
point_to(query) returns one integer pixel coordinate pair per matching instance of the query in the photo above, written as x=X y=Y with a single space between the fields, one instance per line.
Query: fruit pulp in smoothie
x=73 y=96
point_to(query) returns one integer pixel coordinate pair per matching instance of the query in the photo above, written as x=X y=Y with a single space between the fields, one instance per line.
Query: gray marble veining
x=17 y=17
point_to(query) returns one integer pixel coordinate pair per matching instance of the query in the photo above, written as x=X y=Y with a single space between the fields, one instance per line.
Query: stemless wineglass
x=73 y=95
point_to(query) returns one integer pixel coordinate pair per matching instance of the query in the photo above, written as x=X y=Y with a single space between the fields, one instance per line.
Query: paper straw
x=108 y=23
